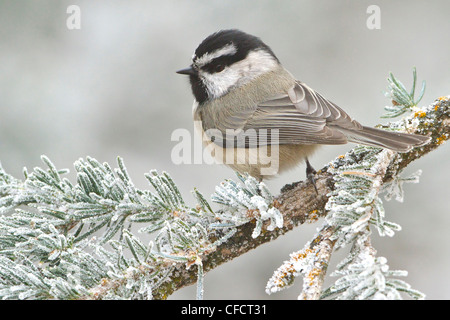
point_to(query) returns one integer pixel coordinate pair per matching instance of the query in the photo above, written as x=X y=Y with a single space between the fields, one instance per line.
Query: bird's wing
x=299 y=116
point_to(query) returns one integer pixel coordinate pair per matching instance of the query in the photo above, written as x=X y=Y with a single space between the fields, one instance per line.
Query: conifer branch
x=299 y=203
x=60 y=240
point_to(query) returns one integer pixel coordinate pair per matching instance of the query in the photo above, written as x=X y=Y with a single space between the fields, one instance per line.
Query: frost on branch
x=355 y=208
x=402 y=100
x=60 y=240
x=244 y=203
x=394 y=189
x=355 y=203
x=310 y=262
x=64 y=241
x=364 y=276
x=84 y=240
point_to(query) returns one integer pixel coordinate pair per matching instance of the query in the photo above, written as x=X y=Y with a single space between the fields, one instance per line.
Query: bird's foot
x=310 y=174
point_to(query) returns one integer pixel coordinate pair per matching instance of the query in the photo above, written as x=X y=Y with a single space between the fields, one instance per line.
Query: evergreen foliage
x=64 y=240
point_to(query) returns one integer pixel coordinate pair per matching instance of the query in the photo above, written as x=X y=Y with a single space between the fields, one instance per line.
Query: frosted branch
x=60 y=240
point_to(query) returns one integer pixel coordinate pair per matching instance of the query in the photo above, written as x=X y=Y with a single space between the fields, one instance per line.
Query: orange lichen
x=313 y=274
x=176 y=213
x=441 y=139
x=283 y=276
x=420 y=114
x=301 y=255
x=313 y=216
x=104 y=282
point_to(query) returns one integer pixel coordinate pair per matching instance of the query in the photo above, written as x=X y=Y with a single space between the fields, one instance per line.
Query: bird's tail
x=396 y=141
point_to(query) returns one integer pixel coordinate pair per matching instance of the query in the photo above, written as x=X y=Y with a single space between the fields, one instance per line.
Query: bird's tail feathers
x=396 y=141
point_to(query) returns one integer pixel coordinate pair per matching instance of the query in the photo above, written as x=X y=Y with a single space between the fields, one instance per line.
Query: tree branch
x=299 y=203
x=49 y=247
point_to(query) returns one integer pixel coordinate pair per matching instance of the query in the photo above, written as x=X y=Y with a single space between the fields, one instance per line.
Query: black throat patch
x=243 y=42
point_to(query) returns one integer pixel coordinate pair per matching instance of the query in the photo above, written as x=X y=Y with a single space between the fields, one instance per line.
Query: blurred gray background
x=110 y=89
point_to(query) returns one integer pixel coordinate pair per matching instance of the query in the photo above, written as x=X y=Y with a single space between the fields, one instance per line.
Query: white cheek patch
x=217 y=84
x=238 y=74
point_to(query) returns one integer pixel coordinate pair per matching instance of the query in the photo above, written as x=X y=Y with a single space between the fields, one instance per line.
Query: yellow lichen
x=312 y=275
x=313 y=216
x=301 y=255
x=420 y=114
x=104 y=282
x=441 y=139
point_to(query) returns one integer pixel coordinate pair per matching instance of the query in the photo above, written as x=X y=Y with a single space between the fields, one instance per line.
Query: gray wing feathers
x=294 y=127
x=303 y=116
x=312 y=105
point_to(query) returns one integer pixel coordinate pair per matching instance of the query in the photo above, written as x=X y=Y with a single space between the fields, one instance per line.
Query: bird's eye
x=219 y=68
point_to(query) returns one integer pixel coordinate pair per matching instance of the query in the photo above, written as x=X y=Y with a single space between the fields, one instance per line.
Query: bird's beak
x=188 y=71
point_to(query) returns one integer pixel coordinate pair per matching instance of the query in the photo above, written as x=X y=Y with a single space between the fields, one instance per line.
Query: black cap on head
x=243 y=42
x=216 y=52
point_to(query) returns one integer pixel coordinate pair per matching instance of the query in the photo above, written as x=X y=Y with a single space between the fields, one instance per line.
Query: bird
x=254 y=116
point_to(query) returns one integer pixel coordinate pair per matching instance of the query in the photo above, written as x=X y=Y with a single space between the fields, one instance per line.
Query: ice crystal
x=354 y=209
x=247 y=201
x=64 y=240
x=394 y=189
x=369 y=277
x=54 y=234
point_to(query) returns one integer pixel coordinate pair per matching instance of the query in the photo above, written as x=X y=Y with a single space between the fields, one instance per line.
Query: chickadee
x=255 y=117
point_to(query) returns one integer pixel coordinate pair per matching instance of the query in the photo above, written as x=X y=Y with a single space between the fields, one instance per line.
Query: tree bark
x=299 y=202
